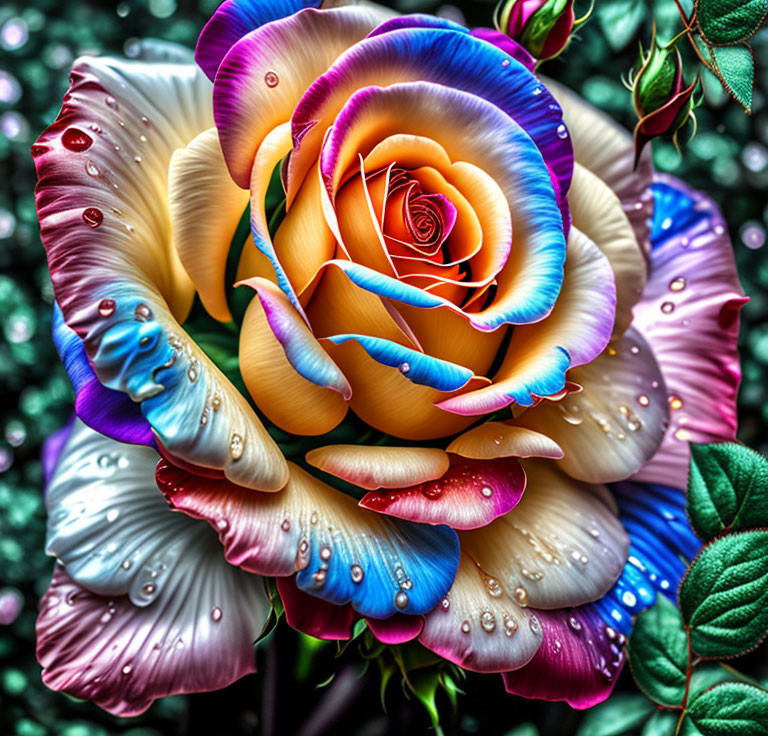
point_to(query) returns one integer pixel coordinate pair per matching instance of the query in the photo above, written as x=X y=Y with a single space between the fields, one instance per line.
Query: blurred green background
x=39 y=39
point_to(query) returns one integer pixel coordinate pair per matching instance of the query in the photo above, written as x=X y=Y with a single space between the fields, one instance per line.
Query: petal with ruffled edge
x=597 y=212
x=468 y=128
x=371 y=466
x=496 y=439
x=690 y=316
x=206 y=207
x=479 y=627
x=611 y=428
x=449 y=57
x=608 y=151
x=342 y=553
x=562 y=545
x=575 y=333
x=471 y=494
x=110 y=412
x=104 y=217
x=579 y=660
x=143 y=604
x=261 y=80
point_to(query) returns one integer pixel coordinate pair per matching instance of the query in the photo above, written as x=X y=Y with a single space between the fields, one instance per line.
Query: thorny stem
x=688 y=674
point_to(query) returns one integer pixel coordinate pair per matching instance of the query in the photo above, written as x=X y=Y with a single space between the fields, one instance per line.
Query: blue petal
x=415 y=366
x=674 y=212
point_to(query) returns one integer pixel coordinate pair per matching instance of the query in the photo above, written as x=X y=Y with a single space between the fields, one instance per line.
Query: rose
x=611 y=345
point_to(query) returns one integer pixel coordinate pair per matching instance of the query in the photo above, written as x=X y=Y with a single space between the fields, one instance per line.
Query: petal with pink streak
x=342 y=553
x=198 y=636
x=312 y=616
x=397 y=629
x=471 y=494
x=579 y=660
x=689 y=314
x=506 y=44
x=479 y=626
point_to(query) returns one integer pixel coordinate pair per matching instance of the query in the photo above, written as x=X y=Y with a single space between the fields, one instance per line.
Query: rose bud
x=662 y=101
x=542 y=27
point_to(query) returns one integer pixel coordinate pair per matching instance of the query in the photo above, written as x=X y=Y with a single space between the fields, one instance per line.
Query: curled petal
x=479 y=627
x=562 y=545
x=105 y=223
x=317 y=618
x=611 y=428
x=690 y=316
x=206 y=207
x=380 y=467
x=495 y=439
x=470 y=494
x=579 y=660
x=396 y=630
x=342 y=553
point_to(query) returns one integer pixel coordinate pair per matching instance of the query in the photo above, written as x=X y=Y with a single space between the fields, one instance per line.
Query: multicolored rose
x=464 y=266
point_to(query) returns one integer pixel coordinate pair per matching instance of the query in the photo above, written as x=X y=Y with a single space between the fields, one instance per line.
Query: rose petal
x=342 y=553
x=370 y=466
x=470 y=494
x=495 y=439
x=314 y=617
x=562 y=545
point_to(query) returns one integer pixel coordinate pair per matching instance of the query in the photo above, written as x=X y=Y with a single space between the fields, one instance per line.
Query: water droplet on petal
x=145 y=120
x=271 y=79
x=91 y=169
x=643 y=400
x=127 y=669
x=573 y=622
x=487 y=621
x=149 y=588
x=142 y=313
x=562 y=131
x=404 y=368
x=677 y=284
x=110 y=101
x=401 y=599
x=76 y=140
x=465 y=627
x=286 y=525
x=126 y=565
x=236 y=446
x=521 y=595
x=222 y=525
x=106 y=307
x=535 y=625
x=506 y=62
x=325 y=553
x=216 y=613
x=486 y=491
x=356 y=573
x=112 y=514
x=445 y=604
x=667 y=307
x=92 y=216
x=675 y=403
x=313 y=518
x=510 y=625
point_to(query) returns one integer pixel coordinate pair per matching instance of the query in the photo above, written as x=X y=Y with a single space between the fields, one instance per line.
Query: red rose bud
x=542 y=27
x=662 y=101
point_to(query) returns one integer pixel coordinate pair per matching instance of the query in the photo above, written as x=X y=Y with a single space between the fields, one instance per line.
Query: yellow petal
x=495 y=439
x=373 y=467
x=206 y=207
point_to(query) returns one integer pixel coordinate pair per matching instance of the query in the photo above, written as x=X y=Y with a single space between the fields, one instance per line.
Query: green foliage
x=727 y=22
x=727 y=489
x=622 y=714
x=735 y=67
x=724 y=595
x=731 y=709
x=658 y=653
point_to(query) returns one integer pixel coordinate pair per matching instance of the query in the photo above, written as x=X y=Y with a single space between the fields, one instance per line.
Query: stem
x=688 y=674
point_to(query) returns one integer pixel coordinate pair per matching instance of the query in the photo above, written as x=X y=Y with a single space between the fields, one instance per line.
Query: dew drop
x=629 y=599
x=236 y=446
x=521 y=595
x=319 y=577
x=506 y=62
x=106 y=307
x=325 y=553
x=149 y=588
x=110 y=101
x=683 y=435
x=510 y=625
x=127 y=669
x=634 y=350
x=142 y=313
x=192 y=375
x=145 y=120
x=573 y=622
x=222 y=525
x=562 y=131
x=95 y=128
x=271 y=79
x=303 y=546
x=356 y=573
x=216 y=402
x=112 y=514
x=216 y=613
x=204 y=417
x=106 y=617
x=675 y=403
x=465 y=627
x=677 y=284
x=535 y=625
x=76 y=140
x=143 y=138
x=126 y=565
x=137 y=159
x=487 y=621
x=556 y=647
x=92 y=216
x=286 y=525
x=494 y=589
x=313 y=518
x=667 y=307
x=91 y=169
x=445 y=604
x=643 y=400
x=401 y=599
x=404 y=368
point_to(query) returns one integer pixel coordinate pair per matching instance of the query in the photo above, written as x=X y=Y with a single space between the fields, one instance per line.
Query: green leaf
x=724 y=595
x=727 y=489
x=736 y=69
x=730 y=21
x=658 y=653
x=621 y=714
x=731 y=709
